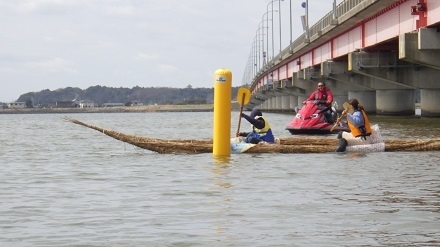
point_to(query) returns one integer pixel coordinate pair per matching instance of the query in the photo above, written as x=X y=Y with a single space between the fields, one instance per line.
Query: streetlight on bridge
x=247 y=76
x=266 y=51
x=290 y=27
x=305 y=18
x=279 y=11
x=255 y=56
x=250 y=67
x=260 y=53
x=279 y=15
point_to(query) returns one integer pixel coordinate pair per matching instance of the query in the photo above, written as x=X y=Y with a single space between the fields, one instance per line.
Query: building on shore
x=112 y=104
x=136 y=103
x=16 y=105
x=86 y=103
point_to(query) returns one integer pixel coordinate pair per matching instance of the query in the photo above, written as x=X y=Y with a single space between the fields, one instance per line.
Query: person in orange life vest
x=323 y=96
x=261 y=130
x=360 y=129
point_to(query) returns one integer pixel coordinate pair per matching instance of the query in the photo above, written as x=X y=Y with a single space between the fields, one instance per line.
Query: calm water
x=66 y=185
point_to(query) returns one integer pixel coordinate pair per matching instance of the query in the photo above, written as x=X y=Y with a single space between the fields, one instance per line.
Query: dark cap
x=255 y=112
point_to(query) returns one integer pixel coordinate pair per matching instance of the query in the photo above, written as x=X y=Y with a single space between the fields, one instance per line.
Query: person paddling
x=261 y=130
x=359 y=125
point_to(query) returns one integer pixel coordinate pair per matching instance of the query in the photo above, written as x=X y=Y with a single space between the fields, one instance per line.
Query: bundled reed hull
x=286 y=145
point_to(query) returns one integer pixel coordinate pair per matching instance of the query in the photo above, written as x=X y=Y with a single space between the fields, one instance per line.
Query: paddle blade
x=350 y=108
x=243 y=96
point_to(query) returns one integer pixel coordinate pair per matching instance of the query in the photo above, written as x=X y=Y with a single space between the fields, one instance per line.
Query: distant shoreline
x=119 y=109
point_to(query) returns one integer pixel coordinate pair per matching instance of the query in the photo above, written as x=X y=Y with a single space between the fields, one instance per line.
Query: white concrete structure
x=112 y=104
x=86 y=104
x=16 y=105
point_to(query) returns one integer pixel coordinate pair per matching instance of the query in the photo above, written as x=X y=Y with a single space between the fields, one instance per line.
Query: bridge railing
x=324 y=22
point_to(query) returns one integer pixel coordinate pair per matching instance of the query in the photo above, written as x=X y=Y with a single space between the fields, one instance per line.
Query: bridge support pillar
x=365 y=98
x=259 y=106
x=269 y=104
x=265 y=104
x=395 y=102
x=430 y=102
x=340 y=99
x=273 y=103
x=278 y=102
x=285 y=102
x=293 y=101
x=301 y=99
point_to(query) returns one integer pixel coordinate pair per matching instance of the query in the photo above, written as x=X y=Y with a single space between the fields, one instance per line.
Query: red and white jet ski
x=311 y=119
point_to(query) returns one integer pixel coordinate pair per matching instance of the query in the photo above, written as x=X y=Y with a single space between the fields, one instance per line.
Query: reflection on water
x=67 y=185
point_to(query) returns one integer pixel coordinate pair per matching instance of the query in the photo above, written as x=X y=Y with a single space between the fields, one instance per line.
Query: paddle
x=243 y=97
x=346 y=106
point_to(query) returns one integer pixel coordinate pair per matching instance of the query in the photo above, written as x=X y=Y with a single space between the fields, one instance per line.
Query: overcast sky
x=52 y=44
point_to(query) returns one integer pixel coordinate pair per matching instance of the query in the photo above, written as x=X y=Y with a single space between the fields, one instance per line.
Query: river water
x=63 y=184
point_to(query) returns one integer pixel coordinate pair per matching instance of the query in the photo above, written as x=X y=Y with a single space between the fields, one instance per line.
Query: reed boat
x=283 y=145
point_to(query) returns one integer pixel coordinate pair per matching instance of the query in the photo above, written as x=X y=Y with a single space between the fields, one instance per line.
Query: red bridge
x=385 y=53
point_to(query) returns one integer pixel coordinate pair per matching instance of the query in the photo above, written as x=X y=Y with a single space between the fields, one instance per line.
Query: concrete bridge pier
x=285 y=102
x=365 y=98
x=301 y=99
x=340 y=99
x=395 y=102
x=430 y=102
x=278 y=102
x=266 y=104
x=293 y=101
x=261 y=105
x=273 y=103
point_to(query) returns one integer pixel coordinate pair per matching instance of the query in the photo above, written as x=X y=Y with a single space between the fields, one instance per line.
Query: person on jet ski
x=261 y=130
x=323 y=96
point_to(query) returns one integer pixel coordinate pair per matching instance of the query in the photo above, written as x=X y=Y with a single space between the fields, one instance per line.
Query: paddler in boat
x=359 y=126
x=324 y=97
x=261 y=130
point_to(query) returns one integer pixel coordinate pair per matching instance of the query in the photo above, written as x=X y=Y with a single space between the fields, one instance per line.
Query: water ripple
x=65 y=185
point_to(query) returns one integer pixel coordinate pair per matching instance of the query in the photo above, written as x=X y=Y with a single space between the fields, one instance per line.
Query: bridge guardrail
x=324 y=22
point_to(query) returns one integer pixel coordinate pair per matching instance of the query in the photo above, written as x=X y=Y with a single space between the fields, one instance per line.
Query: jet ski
x=311 y=119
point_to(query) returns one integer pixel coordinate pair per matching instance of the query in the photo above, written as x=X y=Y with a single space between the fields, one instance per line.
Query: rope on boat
x=287 y=145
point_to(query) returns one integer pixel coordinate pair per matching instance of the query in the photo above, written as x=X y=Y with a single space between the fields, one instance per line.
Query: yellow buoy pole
x=222 y=113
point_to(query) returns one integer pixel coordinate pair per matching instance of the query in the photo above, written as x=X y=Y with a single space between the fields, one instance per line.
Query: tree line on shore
x=102 y=94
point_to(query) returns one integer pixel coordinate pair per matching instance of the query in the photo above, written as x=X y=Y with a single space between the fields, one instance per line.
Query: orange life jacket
x=364 y=130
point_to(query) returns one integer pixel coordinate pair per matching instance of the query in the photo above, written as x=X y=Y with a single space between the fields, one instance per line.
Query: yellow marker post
x=222 y=113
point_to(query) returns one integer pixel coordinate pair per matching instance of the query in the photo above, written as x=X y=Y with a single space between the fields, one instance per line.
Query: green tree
x=29 y=103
